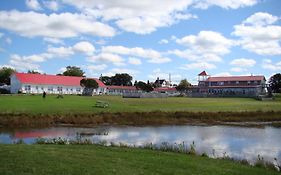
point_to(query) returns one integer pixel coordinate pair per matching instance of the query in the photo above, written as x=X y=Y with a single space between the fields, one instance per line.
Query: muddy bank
x=137 y=118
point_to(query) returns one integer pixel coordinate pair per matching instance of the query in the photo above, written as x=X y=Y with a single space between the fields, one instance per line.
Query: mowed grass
x=81 y=104
x=92 y=159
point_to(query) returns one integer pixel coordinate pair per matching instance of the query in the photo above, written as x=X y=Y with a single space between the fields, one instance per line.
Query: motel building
x=243 y=86
x=51 y=84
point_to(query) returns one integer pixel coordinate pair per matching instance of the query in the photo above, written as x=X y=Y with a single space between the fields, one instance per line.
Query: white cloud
x=207 y=41
x=33 y=4
x=114 y=71
x=222 y=74
x=261 y=19
x=238 y=69
x=63 y=25
x=134 y=61
x=243 y=62
x=84 y=47
x=143 y=17
x=258 y=35
x=226 y=4
x=54 y=40
x=269 y=65
x=207 y=46
x=163 y=41
x=52 y=5
x=107 y=57
x=151 y=55
x=23 y=63
x=8 y=40
x=61 y=70
x=99 y=67
x=60 y=51
x=140 y=17
x=80 y=47
x=199 y=66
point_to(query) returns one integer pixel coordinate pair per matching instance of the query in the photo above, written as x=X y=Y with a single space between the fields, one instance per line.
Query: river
x=233 y=141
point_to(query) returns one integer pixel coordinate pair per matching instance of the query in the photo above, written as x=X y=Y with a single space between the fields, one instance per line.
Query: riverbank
x=93 y=159
x=253 y=118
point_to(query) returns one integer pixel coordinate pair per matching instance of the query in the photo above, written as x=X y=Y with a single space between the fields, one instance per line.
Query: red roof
x=245 y=86
x=26 y=78
x=164 y=89
x=204 y=73
x=237 y=78
x=122 y=87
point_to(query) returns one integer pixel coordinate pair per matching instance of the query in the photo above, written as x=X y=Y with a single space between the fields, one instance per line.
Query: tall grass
x=13 y=119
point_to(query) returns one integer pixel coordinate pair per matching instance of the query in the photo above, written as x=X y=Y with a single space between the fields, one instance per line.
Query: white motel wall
x=18 y=87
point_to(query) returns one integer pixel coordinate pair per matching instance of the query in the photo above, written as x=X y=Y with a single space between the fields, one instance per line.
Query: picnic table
x=102 y=104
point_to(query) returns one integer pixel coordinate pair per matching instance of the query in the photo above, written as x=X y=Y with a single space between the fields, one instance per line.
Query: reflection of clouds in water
x=237 y=142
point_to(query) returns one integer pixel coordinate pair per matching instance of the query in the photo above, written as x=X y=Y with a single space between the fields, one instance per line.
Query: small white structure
x=51 y=84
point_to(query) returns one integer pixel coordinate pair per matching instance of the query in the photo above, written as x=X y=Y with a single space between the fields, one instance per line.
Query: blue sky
x=147 y=39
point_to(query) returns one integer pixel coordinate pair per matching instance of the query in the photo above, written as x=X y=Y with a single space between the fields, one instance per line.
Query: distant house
x=51 y=84
x=161 y=83
x=230 y=85
x=119 y=90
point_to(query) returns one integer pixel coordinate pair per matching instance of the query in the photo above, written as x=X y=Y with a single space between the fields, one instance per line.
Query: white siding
x=17 y=86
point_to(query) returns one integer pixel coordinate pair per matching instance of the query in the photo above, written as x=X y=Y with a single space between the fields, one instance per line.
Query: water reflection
x=237 y=142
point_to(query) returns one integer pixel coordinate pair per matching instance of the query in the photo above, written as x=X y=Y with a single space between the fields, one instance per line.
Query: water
x=236 y=142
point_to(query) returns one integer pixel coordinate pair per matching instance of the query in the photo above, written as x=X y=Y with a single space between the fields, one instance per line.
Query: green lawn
x=92 y=159
x=81 y=104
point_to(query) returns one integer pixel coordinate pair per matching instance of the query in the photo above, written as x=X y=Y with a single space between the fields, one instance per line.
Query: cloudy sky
x=147 y=39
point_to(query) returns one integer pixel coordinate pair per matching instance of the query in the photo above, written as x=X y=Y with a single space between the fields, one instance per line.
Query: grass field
x=92 y=159
x=80 y=104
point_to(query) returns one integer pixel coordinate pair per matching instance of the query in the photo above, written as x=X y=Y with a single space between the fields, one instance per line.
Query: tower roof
x=203 y=73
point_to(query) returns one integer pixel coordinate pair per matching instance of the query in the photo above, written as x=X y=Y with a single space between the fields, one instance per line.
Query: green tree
x=275 y=83
x=123 y=79
x=33 y=72
x=183 y=86
x=5 y=73
x=73 y=71
x=89 y=86
x=106 y=80
x=144 y=86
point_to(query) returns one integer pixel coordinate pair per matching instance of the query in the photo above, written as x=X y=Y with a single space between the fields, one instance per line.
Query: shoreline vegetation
x=246 y=118
x=34 y=111
x=83 y=158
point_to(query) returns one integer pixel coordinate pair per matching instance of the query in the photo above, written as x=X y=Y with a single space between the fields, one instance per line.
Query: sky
x=147 y=39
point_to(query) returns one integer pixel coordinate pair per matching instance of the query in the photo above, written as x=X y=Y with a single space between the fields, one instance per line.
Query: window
x=27 y=87
x=237 y=82
x=50 y=88
x=42 y=88
x=60 y=89
x=78 y=89
x=221 y=83
x=36 y=87
x=249 y=82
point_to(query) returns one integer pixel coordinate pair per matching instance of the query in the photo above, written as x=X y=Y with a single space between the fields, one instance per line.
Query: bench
x=102 y=104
